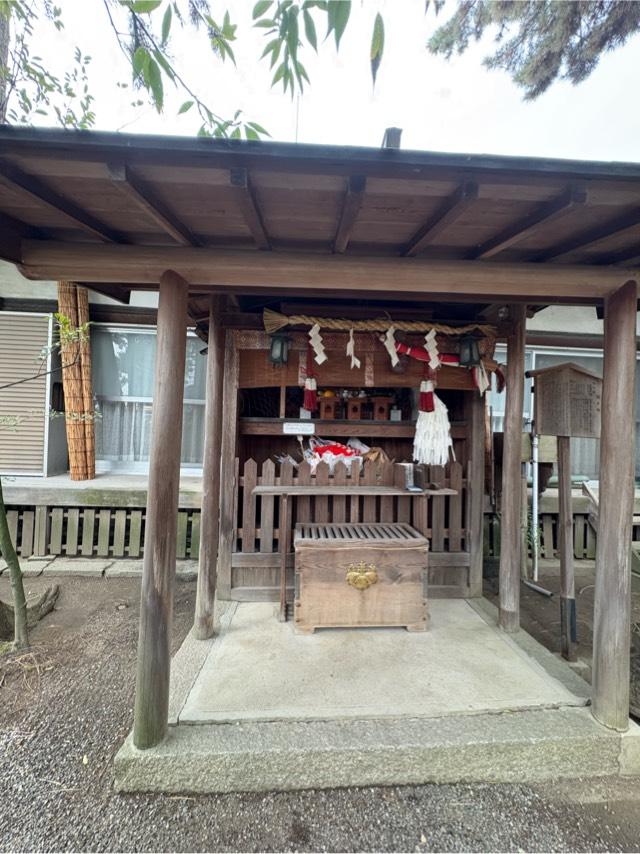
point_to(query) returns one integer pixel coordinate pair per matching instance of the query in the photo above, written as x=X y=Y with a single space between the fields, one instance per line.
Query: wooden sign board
x=567 y=401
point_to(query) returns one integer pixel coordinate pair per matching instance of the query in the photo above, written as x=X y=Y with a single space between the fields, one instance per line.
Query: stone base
x=523 y=747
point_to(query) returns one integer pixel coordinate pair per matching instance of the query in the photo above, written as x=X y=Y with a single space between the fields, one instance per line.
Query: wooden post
x=159 y=566
x=475 y=489
x=612 y=608
x=228 y=509
x=565 y=545
x=210 y=508
x=284 y=551
x=509 y=619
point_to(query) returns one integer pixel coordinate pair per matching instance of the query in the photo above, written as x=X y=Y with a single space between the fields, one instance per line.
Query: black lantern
x=469 y=351
x=279 y=350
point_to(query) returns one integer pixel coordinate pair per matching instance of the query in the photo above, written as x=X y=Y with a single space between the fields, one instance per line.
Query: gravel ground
x=65 y=709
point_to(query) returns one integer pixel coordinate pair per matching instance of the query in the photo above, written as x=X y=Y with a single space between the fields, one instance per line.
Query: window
x=123 y=376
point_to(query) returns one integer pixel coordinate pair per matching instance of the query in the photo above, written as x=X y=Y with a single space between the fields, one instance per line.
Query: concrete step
x=524 y=746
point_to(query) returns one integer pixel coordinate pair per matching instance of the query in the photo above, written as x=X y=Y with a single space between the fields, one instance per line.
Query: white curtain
x=123 y=374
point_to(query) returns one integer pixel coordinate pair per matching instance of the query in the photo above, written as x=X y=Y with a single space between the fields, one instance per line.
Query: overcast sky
x=440 y=105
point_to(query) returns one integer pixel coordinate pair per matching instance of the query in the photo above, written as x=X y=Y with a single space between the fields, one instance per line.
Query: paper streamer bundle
x=351 y=351
x=433 y=435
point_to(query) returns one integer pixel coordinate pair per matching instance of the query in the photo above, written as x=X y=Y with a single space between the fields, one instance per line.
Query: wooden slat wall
x=584 y=537
x=256 y=540
x=22 y=338
x=93 y=532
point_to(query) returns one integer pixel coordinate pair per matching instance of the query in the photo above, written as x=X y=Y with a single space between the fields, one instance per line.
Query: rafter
x=138 y=191
x=451 y=209
x=12 y=232
x=590 y=236
x=245 y=196
x=351 y=204
x=35 y=188
x=118 y=292
x=544 y=214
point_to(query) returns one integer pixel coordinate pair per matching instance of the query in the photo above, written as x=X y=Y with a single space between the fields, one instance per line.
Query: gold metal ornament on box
x=361 y=576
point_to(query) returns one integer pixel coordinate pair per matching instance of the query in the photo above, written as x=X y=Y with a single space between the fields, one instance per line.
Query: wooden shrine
x=261 y=408
x=220 y=227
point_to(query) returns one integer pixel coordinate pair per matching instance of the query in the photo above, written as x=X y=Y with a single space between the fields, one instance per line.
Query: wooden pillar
x=510 y=546
x=228 y=485
x=158 y=573
x=476 y=409
x=565 y=544
x=210 y=509
x=612 y=609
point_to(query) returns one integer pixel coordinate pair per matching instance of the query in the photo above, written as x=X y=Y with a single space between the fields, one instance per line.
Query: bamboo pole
x=159 y=565
x=210 y=512
x=72 y=384
x=87 y=383
x=612 y=606
x=510 y=545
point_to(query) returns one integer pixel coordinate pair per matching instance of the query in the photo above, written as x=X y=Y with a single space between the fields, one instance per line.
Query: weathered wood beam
x=630 y=256
x=116 y=292
x=36 y=189
x=351 y=204
x=451 y=209
x=246 y=198
x=210 y=509
x=589 y=237
x=297 y=273
x=228 y=471
x=511 y=501
x=12 y=233
x=138 y=191
x=612 y=606
x=159 y=565
x=543 y=215
x=475 y=409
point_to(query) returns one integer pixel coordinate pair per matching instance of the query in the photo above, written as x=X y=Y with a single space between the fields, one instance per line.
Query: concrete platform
x=261 y=708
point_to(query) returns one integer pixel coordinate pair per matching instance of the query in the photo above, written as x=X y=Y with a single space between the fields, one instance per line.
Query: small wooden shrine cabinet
x=262 y=409
x=385 y=582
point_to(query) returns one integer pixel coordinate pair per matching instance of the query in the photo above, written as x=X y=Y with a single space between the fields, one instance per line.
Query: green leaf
x=250 y=133
x=184 y=108
x=139 y=61
x=153 y=79
x=258 y=128
x=280 y=72
x=310 y=29
x=260 y=8
x=265 y=23
x=377 y=45
x=338 y=12
x=166 y=24
x=235 y=133
x=274 y=45
x=292 y=35
x=164 y=64
x=144 y=7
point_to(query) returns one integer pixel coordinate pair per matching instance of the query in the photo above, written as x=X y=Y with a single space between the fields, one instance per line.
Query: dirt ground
x=66 y=707
x=540 y=616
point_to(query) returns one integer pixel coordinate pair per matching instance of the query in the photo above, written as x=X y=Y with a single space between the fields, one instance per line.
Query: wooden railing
x=442 y=519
